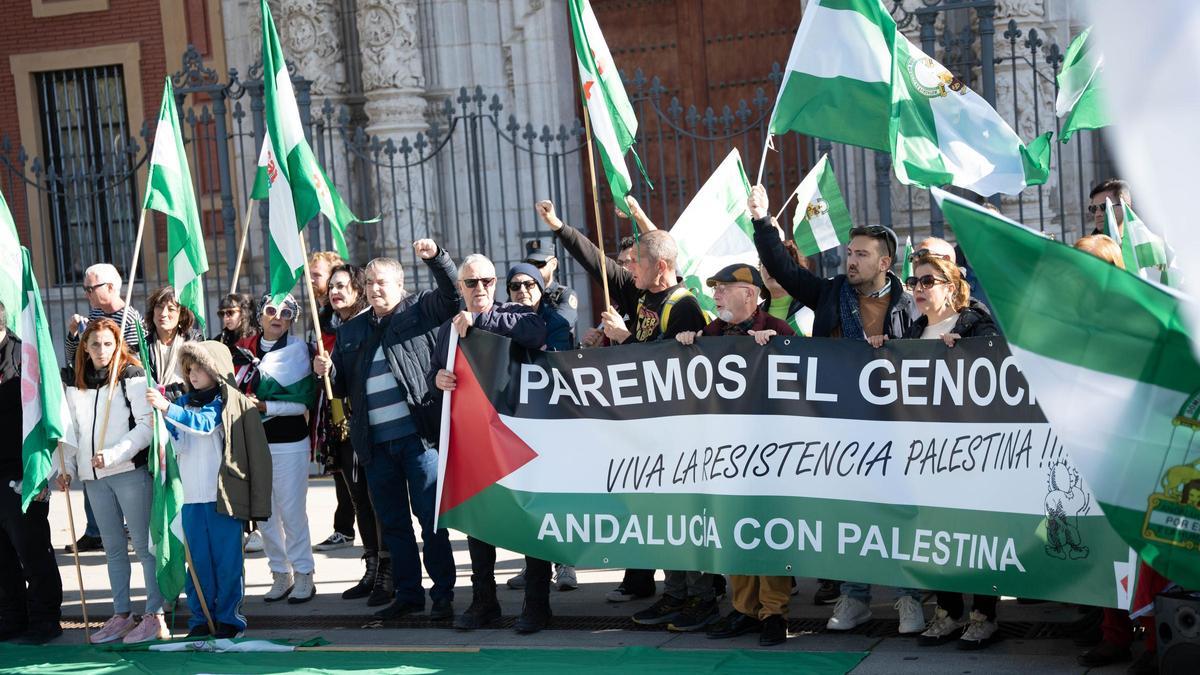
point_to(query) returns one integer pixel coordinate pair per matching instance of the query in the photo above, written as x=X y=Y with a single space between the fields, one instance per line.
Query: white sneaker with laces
x=254 y=543
x=941 y=629
x=848 y=613
x=280 y=588
x=564 y=577
x=304 y=590
x=980 y=632
x=912 y=615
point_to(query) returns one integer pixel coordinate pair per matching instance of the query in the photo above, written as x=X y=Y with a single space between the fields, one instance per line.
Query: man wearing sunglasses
x=1114 y=190
x=380 y=361
x=557 y=297
x=477 y=283
x=868 y=302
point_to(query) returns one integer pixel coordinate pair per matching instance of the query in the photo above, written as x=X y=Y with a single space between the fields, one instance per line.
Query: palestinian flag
x=822 y=219
x=288 y=175
x=1079 y=104
x=169 y=191
x=715 y=231
x=286 y=374
x=167 y=541
x=942 y=133
x=1109 y=357
x=614 y=124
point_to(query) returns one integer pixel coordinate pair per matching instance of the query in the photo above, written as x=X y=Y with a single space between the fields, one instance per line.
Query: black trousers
x=953 y=604
x=30 y=587
x=483 y=570
x=354 y=476
x=639 y=581
x=343 y=515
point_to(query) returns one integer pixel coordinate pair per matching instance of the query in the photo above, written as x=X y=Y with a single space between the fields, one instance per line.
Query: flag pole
x=187 y=555
x=312 y=305
x=587 y=127
x=786 y=202
x=237 y=268
x=62 y=470
x=762 y=163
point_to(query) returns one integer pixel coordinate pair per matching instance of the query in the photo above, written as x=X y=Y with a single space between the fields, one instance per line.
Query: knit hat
x=528 y=270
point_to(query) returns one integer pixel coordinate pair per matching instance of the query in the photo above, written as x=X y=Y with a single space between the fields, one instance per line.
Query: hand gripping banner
x=911 y=465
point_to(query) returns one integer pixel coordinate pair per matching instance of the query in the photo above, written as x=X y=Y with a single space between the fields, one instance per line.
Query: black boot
x=535 y=616
x=364 y=586
x=384 y=590
x=484 y=609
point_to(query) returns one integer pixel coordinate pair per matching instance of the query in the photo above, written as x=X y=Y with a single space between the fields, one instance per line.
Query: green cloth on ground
x=78 y=659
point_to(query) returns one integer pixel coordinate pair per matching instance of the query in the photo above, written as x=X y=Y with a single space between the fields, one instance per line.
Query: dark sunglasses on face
x=924 y=282
x=1095 y=208
x=229 y=312
x=486 y=281
x=271 y=311
x=514 y=286
x=89 y=289
x=538 y=263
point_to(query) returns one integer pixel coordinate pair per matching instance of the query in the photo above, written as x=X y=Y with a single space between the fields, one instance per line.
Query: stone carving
x=1010 y=9
x=390 y=52
x=311 y=40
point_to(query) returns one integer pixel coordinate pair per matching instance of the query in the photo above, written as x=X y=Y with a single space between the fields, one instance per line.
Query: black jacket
x=10 y=410
x=822 y=295
x=974 y=320
x=407 y=336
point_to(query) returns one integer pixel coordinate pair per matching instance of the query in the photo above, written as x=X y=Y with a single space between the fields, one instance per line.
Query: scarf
x=848 y=307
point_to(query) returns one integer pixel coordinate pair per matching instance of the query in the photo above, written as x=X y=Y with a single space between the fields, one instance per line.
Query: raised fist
x=426 y=248
x=545 y=209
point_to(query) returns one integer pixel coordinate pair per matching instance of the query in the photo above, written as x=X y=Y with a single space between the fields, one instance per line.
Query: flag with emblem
x=43 y=417
x=169 y=191
x=1079 y=104
x=1090 y=337
x=288 y=175
x=166 y=505
x=715 y=229
x=613 y=122
x=942 y=133
x=822 y=220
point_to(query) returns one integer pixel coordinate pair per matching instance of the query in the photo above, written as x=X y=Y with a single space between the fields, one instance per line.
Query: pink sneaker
x=151 y=627
x=114 y=629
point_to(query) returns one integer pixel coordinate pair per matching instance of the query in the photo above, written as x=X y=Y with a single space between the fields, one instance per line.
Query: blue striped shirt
x=387 y=411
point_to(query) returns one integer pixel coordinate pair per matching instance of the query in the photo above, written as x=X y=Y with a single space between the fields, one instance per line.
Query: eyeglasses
x=514 y=286
x=725 y=288
x=924 y=282
x=285 y=313
x=88 y=290
x=229 y=312
x=486 y=281
x=1096 y=208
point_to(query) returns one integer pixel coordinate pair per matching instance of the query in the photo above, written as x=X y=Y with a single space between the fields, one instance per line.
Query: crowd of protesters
x=248 y=413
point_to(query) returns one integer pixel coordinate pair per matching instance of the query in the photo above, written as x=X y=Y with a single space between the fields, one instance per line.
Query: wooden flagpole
x=237 y=268
x=62 y=470
x=312 y=304
x=587 y=126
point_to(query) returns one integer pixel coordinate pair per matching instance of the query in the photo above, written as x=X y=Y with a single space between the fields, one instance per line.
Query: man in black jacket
x=30 y=587
x=477 y=283
x=380 y=361
x=868 y=302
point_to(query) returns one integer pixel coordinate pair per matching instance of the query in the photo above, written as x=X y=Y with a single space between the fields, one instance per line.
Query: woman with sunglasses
x=238 y=322
x=280 y=382
x=943 y=297
x=168 y=325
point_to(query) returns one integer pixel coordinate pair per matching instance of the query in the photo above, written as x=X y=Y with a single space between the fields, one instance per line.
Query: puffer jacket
x=126 y=437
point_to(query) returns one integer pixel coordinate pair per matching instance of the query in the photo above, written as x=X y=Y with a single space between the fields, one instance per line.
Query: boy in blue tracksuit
x=225 y=469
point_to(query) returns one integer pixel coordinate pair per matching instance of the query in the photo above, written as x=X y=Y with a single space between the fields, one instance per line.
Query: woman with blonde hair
x=1103 y=247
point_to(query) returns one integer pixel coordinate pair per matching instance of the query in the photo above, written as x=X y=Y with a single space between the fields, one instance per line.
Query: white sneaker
x=912 y=615
x=848 y=613
x=941 y=629
x=517 y=581
x=304 y=590
x=564 y=577
x=253 y=542
x=980 y=632
x=280 y=588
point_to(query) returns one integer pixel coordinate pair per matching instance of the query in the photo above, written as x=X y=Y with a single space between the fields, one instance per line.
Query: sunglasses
x=486 y=281
x=927 y=252
x=285 y=313
x=88 y=290
x=514 y=286
x=538 y=263
x=924 y=282
x=228 y=312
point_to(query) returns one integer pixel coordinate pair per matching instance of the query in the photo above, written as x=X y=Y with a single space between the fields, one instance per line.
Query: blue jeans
x=117 y=500
x=92 y=529
x=403 y=475
x=215 y=541
x=863 y=591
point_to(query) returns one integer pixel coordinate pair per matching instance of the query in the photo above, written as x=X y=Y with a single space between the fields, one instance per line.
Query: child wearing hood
x=225 y=469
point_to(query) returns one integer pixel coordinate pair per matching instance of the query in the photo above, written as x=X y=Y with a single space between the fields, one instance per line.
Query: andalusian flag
x=822 y=220
x=838 y=83
x=906 y=269
x=289 y=177
x=1079 y=103
x=286 y=374
x=1109 y=358
x=169 y=191
x=613 y=122
x=1113 y=229
x=166 y=507
x=1151 y=255
x=943 y=133
x=715 y=231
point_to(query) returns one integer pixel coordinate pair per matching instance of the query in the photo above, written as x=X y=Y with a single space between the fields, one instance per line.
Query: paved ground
x=584 y=619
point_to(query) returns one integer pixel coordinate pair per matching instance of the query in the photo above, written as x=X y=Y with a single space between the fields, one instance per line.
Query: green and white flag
x=715 y=229
x=1113 y=230
x=1109 y=358
x=11 y=273
x=837 y=84
x=822 y=220
x=1079 y=104
x=1151 y=255
x=943 y=133
x=287 y=374
x=288 y=176
x=169 y=191
x=166 y=507
x=906 y=269
x=613 y=122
